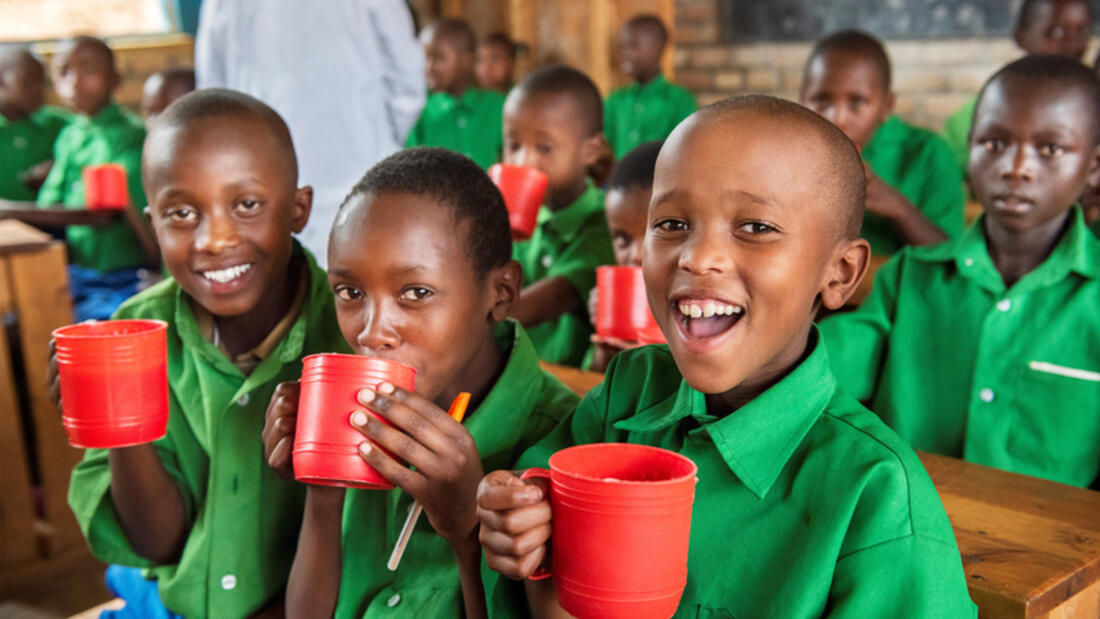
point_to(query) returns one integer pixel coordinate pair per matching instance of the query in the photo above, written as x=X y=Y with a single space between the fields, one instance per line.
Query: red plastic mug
x=326 y=445
x=114 y=382
x=523 y=189
x=621 y=524
x=105 y=187
x=622 y=310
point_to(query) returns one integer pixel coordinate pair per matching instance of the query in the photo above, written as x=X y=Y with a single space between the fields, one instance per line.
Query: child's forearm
x=545 y=300
x=468 y=557
x=543 y=599
x=911 y=224
x=148 y=503
x=314 y=584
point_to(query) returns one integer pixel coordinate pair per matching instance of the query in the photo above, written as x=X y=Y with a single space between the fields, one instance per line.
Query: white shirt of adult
x=346 y=75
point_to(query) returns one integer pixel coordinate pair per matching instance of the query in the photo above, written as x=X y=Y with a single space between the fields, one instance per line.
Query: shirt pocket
x=1056 y=428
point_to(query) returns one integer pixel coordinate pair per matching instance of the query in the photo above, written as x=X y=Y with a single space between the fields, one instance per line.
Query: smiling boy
x=752 y=229
x=244 y=304
x=985 y=348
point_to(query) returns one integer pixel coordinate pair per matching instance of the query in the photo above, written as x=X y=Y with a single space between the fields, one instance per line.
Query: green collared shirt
x=569 y=243
x=24 y=144
x=644 y=112
x=244 y=519
x=961 y=366
x=114 y=135
x=471 y=124
x=956 y=132
x=522 y=407
x=918 y=164
x=806 y=503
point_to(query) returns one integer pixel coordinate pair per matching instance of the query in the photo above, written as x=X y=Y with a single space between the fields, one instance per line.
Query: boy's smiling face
x=741 y=246
x=848 y=90
x=1057 y=27
x=626 y=220
x=640 y=52
x=406 y=290
x=1031 y=152
x=223 y=205
x=85 y=78
x=546 y=131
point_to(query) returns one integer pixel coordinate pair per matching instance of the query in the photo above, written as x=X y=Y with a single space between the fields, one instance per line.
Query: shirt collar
x=569 y=221
x=513 y=392
x=757 y=440
x=107 y=115
x=1077 y=251
x=657 y=83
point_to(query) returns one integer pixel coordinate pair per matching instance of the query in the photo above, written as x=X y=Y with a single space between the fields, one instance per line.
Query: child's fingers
x=416 y=417
x=515 y=546
x=396 y=442
x=516 y=568
x=428 y=411
x=284 y=401
x=280 y=458
x=503 y=490
x=397 y=474
x=516 y=521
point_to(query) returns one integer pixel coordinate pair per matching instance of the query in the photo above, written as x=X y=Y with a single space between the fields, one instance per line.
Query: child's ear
x=592 y=148
x=891 y=100
x=303 y=204
x=848 y=267
x=505 y=283
x=1094 y=168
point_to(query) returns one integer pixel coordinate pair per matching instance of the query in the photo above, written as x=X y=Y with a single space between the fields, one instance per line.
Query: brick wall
x=932 y=78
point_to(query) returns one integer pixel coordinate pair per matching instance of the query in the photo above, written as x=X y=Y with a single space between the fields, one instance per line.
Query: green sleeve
x=610 y=114
x=913 y=576
x=52 y=190
x=684 y=106
x=942 y=195
x=589 y=249
x=130 y=159
x=956 y=132
x=416 y=135
x=857 y=341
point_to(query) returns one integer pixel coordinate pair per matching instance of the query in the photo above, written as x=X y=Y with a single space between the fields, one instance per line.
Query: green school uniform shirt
x=918 y=164
x=244 y=519
x=644 y=112
x=471 y=124
x=806 y=503
x=569 y=243
x=961 y=366
x=956 y=132
x=522 y=407
x=24 y=144
x=114 y=135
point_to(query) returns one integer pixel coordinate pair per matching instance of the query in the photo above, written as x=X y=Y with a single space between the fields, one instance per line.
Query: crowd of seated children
x=651 y=106
x=553 y=122
x=164 y=87
x=1058 y=27
x=914 y=191
x=756 y=205
x=199 y=508
x=496 y=62
x=625 y=204
x=985 y=348
x=105 y=259
x=420 y=263
x=457 y=115
x=28 y=129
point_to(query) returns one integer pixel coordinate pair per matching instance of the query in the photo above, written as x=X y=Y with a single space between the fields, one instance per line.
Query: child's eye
x=992 y=145
x=1051 y=150
x=180 y=214
x=756 y=227
x=543 y=149
x=347 y=293
x=248 y=204
x=671 y=225
x=415 y=293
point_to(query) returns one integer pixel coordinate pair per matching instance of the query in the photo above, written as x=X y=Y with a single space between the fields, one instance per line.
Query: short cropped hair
x=652 y=24
x=456 y=183
x=567 y=81
x=847 y=190
x=457 y=32
x=503 y=41
x=209 y=103
x=854 y=42
x=68 y=45
x=181 y=78
x=635 y=170
x=1030 y=8
x=1057 y=74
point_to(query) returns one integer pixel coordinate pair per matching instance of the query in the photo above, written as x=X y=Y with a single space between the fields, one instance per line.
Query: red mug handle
x=541 y=573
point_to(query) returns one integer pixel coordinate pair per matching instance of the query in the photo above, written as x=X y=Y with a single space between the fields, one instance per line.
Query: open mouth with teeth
x=226 y=275
x=706 y=318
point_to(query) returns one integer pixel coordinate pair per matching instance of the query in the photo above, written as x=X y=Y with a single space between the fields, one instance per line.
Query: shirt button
x=986 y=395
x=19 y=142
x=229 y=581
x=638 y=108
x=1004 y=305
x=243 y=400
x=633 y=135
x=547 y=261
x=461 y=122
x=394 y=600
x=969 y=262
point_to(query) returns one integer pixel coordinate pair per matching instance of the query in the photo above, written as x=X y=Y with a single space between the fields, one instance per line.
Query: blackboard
x=807 y=20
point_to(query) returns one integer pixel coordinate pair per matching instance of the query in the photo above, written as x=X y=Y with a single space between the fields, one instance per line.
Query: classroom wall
x=931 y=77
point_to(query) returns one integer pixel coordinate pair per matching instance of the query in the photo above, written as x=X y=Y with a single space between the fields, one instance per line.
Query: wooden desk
x=579 y=381
x=55 y=216
x=1030 y=547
